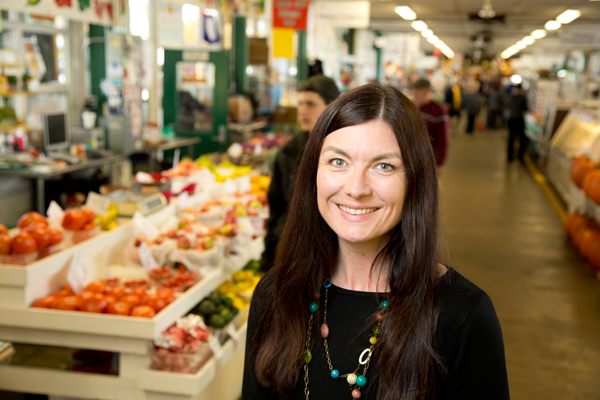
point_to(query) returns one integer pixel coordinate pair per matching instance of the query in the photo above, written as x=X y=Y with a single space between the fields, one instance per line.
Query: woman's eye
x=386 y=167
x=338 y=162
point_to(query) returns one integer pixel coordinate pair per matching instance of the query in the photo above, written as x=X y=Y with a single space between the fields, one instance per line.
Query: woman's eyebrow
x=386 y=155
x=336 y=150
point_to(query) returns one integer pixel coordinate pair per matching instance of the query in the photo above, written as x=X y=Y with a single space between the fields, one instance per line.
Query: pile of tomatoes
x=107 y=296
x=178 y=282
x=79 y=220
x=34 y=235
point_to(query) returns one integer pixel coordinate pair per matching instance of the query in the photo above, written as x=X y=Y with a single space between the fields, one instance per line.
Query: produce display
x=108 y=221
x=586 y=175
x=216 y=309
x=242 y=287
x=585 y=234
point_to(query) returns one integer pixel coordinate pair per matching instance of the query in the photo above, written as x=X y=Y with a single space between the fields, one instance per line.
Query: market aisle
x=503 y=235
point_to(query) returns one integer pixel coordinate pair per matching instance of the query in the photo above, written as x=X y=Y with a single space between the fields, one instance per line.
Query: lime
x=207 y=307
x=216 y=321
x=220 y=308
x=228 y=301
x=227 y=315
x=215 y=297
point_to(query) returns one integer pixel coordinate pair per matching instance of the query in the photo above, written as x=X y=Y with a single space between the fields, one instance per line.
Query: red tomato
x=85 y=296
x=41 y=236
x=143 y=311
x=116 y=291
x=131 y=299
x=5 y=245
x=166 y=294
x=3 y=230
x=96 y=304
x=109 y=300
x=119 y=308
x=73 y=220
x=69 y=289
x=96 y=287
x=88 y=227
x=56 y=236
x=63 y=293
x=140 y=292
x=31 y=218
x=23 y=243
x=155 y=301
x=72 y=303
x=88 y=214
x=45 y=302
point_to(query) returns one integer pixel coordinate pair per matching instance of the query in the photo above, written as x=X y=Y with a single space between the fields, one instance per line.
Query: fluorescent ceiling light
x=433 y=39
x=528 y=40
x=520 y=45
x=538 y=34
x=552 y=25
x=419 y=26
x=427 y=33
x=406 y=12
x=568 y=16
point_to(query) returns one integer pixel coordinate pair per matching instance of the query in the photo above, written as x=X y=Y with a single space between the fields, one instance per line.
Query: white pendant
x=360 y=359
x=351 y=379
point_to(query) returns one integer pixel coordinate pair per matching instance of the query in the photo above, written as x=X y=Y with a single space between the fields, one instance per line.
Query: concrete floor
x=503 y=235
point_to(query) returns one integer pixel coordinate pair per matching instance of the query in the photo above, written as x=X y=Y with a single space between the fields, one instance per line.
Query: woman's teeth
x=354 y=211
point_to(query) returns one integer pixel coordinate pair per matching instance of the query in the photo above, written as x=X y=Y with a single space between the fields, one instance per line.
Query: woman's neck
x=353 y=268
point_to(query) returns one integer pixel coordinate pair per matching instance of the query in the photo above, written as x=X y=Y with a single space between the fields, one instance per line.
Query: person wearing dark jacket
x=314 y=95
x=517 y=107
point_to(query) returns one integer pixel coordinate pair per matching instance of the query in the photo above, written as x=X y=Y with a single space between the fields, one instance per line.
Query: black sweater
x=469 y=339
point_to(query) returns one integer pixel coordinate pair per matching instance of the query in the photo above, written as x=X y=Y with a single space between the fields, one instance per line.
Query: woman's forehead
x=369 y=137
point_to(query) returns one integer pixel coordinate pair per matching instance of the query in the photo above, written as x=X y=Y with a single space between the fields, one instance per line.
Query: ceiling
x=449 y=20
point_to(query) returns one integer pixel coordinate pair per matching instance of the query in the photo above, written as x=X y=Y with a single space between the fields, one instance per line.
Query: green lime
x=216 y=297
x=220 y=308
x=216 y=321
x=227 y=301
x=227 y=315
x=207 y=307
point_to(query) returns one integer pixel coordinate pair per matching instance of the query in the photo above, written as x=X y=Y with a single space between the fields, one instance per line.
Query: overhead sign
x=96 y=11
x=580 y=37
x=290 y=14
x=343 y=14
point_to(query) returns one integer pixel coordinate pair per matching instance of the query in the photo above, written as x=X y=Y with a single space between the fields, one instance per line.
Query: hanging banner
x=283 y=42
x=290 y=14
x=98 y=12
x=342 y=14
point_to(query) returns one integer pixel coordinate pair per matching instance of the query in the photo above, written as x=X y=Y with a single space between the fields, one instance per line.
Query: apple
x=183 y=243
x=172 y=234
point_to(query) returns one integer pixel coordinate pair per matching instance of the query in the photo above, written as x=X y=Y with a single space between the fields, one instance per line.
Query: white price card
x=147 y=258
x=244 y=183
x=235 y=336
x=78 y=274
x=176 y=159
x=229 y=186
x=182 y=201
x=97 y=203
x=144 y=225
x=215 y=346
x=55 y=213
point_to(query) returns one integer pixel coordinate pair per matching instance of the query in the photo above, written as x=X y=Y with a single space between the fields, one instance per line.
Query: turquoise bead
x=361 y=381
x=335 y=374
x=384 y=304
x=327 y=283
x=314 y=307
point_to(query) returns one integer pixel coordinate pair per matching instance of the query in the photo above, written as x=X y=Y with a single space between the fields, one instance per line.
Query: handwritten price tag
x=98 y=204
x=146 y=257
x=143 y=224
x=55 y=213
x=78 y=274
x=234 y=335
x=182 y=200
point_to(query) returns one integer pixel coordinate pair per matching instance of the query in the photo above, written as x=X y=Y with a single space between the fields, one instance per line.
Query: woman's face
x=361 y=182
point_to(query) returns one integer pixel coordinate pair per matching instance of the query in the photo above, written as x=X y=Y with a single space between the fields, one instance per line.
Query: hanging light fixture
x=486 y=11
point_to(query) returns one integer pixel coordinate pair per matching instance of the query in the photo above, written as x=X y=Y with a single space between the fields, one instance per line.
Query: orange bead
x=356 y=394
x=379 y=317
x=325 y=331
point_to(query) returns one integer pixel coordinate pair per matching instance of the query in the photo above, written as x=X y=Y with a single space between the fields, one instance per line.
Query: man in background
x=517 y=107
x=436 y=118
x=453 y=99
x=314 y=94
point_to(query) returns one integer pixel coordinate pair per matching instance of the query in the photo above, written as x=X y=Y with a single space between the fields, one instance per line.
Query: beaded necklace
x=355 y=381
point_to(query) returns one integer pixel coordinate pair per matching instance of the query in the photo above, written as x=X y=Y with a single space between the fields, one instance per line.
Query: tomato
x=96 y=287
x=116 y=291
x=88 y=214
x=143 y=311
x=69 y=289
x=73 y=220
x=41 y=236
x=3 y=230
x=31 y=218
x=131 y=299
x=119 y=308
x=155 y=301
x=72 y=303
x=56 y=236
x=23 y=243
x=166 y=294
x=63 y=293
x=5 y=245
x=45 y=302
x=88 y=227
x=96 y=304
x=140 y=292
x=85 y=296
x=110 y=300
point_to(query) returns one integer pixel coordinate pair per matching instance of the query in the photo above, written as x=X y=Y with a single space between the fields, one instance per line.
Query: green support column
x=241 y=49
x=170 y=100
x=97 y=64
x=379 y=54
x=349 y=39
x=301 y=59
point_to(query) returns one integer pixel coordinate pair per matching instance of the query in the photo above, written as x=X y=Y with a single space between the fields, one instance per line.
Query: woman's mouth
x=357 y=211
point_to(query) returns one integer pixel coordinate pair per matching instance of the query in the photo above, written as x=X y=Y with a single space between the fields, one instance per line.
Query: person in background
x=472 y=104
x=453 y=99
x=495 y=105
x=436 y=118
x=314 y=95
x=517 y=107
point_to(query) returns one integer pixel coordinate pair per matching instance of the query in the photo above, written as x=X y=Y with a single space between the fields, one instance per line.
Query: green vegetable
x=216 y=321
x=207 y=307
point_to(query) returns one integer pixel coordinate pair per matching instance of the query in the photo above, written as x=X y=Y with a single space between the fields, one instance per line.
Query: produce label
x=97 y=203
x=234 y=336
x=55 y=213
x=215 y=346
x=146 y=257
x=244 y=184
x=229 y=186
x=182 y=200
x=144 y=225
x=78 y=274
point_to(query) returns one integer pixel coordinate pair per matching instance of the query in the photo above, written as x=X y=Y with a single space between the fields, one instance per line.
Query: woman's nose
x=357 y=185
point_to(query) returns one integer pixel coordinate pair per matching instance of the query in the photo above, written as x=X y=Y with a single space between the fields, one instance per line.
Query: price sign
x=229 y=186
x=97 y=203
x=245 y=184
x=215 y=346
x=234 y=335
x=182 y=201
x=147 y=258
x=290 y=14
x=143 y=224
x=55 y=213
x=78 y=274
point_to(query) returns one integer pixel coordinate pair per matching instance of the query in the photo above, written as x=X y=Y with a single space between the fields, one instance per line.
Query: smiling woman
x=358 y=304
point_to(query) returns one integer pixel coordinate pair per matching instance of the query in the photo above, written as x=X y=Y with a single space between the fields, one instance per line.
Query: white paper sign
x=78 y=274
x=176 y=159
x=182 y=201
x=143 y=224
x=97 y=203
x=229 y=186
x=344 y=14
x=245 y=183
x=215 y=346
x=146 y=257
x=234 y=336
x=55 y=213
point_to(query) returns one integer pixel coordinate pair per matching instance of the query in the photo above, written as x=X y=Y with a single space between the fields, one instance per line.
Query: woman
x=357 y=304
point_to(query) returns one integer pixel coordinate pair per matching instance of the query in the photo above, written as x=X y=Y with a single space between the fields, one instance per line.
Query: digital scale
x=129 y=201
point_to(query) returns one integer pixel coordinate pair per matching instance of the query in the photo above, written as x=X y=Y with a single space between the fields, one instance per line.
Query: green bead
x=314 y=307
x=373 y=339
x=307 y=355
x=384 y=304
x=361 y=381
x=377 y=330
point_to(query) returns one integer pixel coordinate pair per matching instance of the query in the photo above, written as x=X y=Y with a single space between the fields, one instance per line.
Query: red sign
x=290 y=14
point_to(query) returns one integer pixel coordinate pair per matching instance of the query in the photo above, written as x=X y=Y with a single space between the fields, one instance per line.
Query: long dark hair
x=405 y=359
